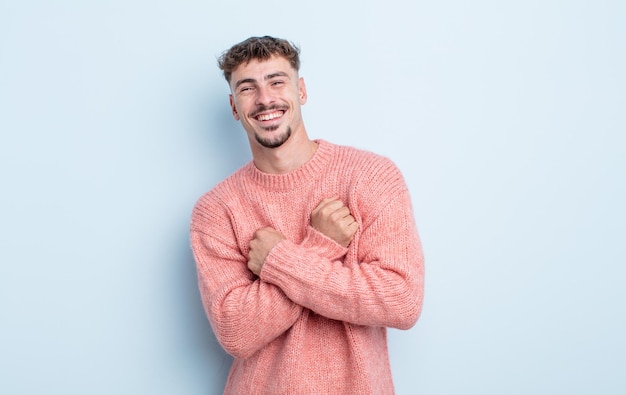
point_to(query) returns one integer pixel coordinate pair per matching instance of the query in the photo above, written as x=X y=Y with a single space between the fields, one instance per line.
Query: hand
x=332 y=218
x=264 y=240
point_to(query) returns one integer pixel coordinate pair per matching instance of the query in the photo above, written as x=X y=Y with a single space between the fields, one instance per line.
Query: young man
x=306 y=254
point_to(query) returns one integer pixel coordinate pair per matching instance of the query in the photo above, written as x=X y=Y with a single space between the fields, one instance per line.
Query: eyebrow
x=276 y=74
x=267 y=77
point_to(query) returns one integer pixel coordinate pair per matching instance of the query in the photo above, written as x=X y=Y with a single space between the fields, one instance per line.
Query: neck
x=295 y=152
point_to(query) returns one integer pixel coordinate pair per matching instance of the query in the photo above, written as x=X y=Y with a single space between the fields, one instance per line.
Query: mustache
x=263 y=108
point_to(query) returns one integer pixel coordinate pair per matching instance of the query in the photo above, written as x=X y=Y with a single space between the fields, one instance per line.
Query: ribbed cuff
x=323 y=245
x=285 y=265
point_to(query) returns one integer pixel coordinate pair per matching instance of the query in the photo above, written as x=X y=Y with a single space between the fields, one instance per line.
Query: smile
x=270 y=116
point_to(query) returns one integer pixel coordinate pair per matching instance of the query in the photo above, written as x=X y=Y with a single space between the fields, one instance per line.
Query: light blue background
x=507 y=119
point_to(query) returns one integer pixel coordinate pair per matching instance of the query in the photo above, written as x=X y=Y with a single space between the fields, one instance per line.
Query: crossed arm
x=246 y=314
x=383 y=290
x=331 y=217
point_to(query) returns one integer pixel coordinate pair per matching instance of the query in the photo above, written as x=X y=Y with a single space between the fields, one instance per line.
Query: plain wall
x=506 y=118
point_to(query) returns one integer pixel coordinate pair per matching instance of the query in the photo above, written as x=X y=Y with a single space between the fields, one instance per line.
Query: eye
x=278 y=83
x=245 y=89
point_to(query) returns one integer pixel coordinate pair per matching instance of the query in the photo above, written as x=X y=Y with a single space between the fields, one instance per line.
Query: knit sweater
x=313 y=321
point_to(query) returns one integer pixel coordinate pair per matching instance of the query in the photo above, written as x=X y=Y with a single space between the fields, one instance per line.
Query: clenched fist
x=263 y=241
x=332 y=218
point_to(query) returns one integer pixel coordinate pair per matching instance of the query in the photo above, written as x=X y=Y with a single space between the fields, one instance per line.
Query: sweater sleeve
x=381 y=286
x=245 y=313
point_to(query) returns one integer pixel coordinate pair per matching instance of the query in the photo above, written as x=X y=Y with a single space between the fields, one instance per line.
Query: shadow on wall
x=226 y=138
x=204 y=353
x=227 y=149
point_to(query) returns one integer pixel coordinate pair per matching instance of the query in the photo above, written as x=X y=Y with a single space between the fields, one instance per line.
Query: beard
x=273 y=142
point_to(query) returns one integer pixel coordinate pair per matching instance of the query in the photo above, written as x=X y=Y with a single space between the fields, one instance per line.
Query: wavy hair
x=260 y=48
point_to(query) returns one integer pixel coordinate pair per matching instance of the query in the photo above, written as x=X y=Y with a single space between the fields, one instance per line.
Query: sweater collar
x=309 y=172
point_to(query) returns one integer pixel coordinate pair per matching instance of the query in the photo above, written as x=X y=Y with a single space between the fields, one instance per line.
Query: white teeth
x=269 y=117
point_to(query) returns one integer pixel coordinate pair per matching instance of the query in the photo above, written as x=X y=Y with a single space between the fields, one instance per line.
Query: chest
x=287 y=212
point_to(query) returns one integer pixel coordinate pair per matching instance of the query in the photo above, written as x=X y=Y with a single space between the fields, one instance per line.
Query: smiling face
x=266 y=97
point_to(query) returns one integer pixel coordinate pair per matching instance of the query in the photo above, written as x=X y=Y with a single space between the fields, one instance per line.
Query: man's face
x=266 y=97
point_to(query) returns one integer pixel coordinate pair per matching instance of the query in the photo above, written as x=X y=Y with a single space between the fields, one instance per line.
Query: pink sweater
x=314 y=321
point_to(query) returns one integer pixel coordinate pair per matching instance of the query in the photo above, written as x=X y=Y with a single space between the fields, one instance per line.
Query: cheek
x=239 y=109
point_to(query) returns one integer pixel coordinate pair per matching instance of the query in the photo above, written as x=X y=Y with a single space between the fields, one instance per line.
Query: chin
x=274 y=142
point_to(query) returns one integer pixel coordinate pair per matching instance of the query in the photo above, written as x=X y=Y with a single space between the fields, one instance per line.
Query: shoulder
x=374 y=180
x=213 y=206
x=366 y=165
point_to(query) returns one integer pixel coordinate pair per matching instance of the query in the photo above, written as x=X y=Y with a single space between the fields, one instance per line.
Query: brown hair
x=261 y=48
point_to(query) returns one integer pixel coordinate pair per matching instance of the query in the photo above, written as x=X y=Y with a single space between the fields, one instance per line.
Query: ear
x=233 y=107
x=302 y=91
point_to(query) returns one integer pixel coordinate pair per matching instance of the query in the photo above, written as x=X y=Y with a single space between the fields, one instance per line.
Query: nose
x=264 y=96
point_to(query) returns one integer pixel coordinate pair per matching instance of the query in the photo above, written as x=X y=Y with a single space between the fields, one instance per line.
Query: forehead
x=259 y=69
